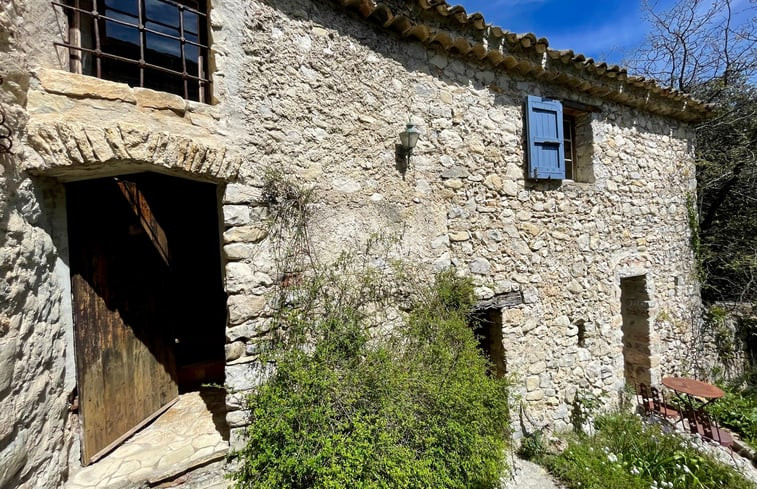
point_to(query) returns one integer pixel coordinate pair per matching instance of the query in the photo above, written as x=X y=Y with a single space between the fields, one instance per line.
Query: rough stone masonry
x=320 y=90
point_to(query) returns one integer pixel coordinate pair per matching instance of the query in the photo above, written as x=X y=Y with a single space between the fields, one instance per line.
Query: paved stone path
x=183 y=437
x=528 y=475
x=208 y=477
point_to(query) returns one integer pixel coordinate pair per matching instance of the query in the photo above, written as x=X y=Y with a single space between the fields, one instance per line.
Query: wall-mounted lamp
x=409 y=138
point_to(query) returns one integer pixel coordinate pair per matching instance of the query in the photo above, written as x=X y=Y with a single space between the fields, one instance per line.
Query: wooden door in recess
x=120 y=273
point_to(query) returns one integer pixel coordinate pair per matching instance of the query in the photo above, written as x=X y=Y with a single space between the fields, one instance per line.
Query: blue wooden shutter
x=545 y=138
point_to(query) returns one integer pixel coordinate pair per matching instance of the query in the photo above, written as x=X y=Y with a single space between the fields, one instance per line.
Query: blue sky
x=605 y=30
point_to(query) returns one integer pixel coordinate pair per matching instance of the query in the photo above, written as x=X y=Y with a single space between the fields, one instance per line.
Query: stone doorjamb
x=69 y=151
x=634 y=265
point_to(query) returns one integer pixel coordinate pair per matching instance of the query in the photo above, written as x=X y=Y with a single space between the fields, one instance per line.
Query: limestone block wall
x=305 y=88
x=325 y=98
x=67 y=127
x=34 y=446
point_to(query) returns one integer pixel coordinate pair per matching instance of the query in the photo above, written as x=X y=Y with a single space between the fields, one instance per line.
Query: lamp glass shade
x=409 y=137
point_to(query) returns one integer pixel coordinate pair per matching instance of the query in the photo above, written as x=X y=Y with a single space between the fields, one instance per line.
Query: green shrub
x=532 y=446
x=351 y=405
x=625 y=453
x=738 y=412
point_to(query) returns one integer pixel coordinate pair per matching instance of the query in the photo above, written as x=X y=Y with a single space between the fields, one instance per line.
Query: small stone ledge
x=160 y=100
x=500 y=301
x=81 y=86
x=146 y=100
x=243 y=361
x=84 y=86
x=182 y=468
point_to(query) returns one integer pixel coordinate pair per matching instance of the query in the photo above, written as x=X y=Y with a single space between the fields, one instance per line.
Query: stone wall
x=34 y=445
x=68 y=127
x=729 y=327
x=326 y=96
x=310 y=90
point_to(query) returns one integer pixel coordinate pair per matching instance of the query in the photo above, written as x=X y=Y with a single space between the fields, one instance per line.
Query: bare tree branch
x=705 y=48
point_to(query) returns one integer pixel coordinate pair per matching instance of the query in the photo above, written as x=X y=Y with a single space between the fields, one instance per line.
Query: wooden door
x=120 y=272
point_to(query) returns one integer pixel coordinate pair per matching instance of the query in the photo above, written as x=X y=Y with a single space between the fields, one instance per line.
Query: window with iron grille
x=158 y=44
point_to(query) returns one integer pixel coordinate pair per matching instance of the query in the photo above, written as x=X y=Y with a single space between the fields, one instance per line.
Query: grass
x=625 y=453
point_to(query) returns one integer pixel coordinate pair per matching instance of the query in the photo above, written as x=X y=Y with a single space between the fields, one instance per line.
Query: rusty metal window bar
x=159 y=44
x=6 y=136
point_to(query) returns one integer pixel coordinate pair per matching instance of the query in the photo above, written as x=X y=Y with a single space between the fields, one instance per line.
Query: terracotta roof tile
x=530 y=56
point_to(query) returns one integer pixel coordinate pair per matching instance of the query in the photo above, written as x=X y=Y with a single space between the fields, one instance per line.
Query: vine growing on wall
x=696 y=235
x=289 y=212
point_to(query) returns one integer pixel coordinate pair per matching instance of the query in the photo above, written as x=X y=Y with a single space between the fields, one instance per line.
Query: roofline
x=529 y=56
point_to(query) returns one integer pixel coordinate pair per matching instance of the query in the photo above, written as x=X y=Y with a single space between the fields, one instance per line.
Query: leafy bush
x=738 y=412
x=532 y=445
x=625 y=453
x=351 y=405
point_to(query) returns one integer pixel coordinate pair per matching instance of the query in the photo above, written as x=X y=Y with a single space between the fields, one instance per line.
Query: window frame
x=569 y=137
x=554 y=123
x=77 y=16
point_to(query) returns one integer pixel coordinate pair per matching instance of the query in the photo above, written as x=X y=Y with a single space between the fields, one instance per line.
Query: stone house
x=134 y=256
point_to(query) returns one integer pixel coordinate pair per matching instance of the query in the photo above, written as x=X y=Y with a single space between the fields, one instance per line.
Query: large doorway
x=634 y=308
x=149 y=307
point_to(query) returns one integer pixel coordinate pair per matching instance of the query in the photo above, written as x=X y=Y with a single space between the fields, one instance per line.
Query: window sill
x=576 y=183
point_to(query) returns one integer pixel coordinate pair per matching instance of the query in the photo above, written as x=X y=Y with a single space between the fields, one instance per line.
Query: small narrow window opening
x=636 y=327
x=581 y=334
x=487 y=325
x=158 y=44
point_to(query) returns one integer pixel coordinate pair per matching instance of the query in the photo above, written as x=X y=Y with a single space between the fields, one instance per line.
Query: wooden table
x=698 y=395
x=693 y=387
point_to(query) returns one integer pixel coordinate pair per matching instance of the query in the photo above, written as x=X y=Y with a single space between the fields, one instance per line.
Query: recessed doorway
x=148 y=300
x=487 y=326
x=634 y=308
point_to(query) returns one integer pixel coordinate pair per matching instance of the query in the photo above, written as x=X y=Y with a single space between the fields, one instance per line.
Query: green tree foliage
x=727 y=181
x=708 y=48
x=353 y=403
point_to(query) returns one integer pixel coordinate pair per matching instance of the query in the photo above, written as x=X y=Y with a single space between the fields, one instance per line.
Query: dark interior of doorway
x=634 y=307
x=487 y=326
x=189 y=301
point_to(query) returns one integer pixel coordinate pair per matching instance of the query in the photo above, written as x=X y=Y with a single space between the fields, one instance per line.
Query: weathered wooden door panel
x=123 y=331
